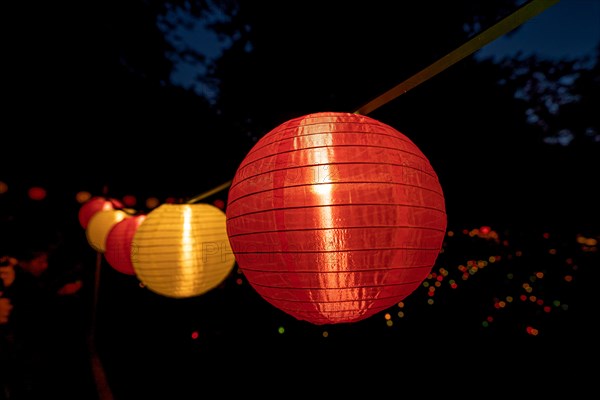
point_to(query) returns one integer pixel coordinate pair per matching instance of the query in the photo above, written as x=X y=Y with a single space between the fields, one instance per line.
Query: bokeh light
x=37 y=193
x=152 y=202
x=82 y=196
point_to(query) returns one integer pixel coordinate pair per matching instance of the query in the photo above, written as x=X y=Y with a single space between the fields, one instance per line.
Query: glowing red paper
x=119 y=244
x=333 y=217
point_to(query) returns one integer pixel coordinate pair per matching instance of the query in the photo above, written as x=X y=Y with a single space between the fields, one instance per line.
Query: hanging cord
x=502 y=27
x=204 y=195
x=102 y=386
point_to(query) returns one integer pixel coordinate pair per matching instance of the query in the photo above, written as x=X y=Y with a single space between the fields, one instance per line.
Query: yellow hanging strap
x=502 y=27
x=204 y=195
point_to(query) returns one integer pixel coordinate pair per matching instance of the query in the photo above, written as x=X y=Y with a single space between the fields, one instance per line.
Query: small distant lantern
x=100 y=225
x=95 y=204
x=334 y=217
x=119 y=244
x=182 y=250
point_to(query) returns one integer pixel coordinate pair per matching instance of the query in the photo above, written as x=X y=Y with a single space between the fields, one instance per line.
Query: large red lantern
x=333 y=217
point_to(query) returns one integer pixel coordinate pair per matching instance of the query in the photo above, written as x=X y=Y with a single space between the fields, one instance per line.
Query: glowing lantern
x=182 y=250
x=100 y=225
x=93 y=205
x=119 y=244
x=333 y=217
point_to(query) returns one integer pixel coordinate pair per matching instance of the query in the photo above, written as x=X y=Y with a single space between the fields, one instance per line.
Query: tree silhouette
x=560 y=95
x=470 y=120
x=90 y=100
x=96 y=91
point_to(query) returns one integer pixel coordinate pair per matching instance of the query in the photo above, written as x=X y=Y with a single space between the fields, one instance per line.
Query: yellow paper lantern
x=99 y=226
x=182 y=250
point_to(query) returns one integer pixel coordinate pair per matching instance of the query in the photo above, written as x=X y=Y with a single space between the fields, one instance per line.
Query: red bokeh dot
x=219 y=203
x=129 y=200
x=37 y=193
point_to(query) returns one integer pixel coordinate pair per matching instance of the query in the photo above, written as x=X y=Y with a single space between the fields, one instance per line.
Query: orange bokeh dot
x=83 y=196
x=152 y=202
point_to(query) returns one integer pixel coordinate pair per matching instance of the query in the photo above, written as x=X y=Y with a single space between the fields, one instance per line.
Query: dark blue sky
x=568 y=29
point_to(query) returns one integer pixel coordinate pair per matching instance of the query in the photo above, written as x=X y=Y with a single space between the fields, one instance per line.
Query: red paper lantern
x=93 y=205
x=119 y=248
x=333 y=217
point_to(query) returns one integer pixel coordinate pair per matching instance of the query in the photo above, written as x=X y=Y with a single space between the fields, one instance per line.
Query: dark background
x=89 y=106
